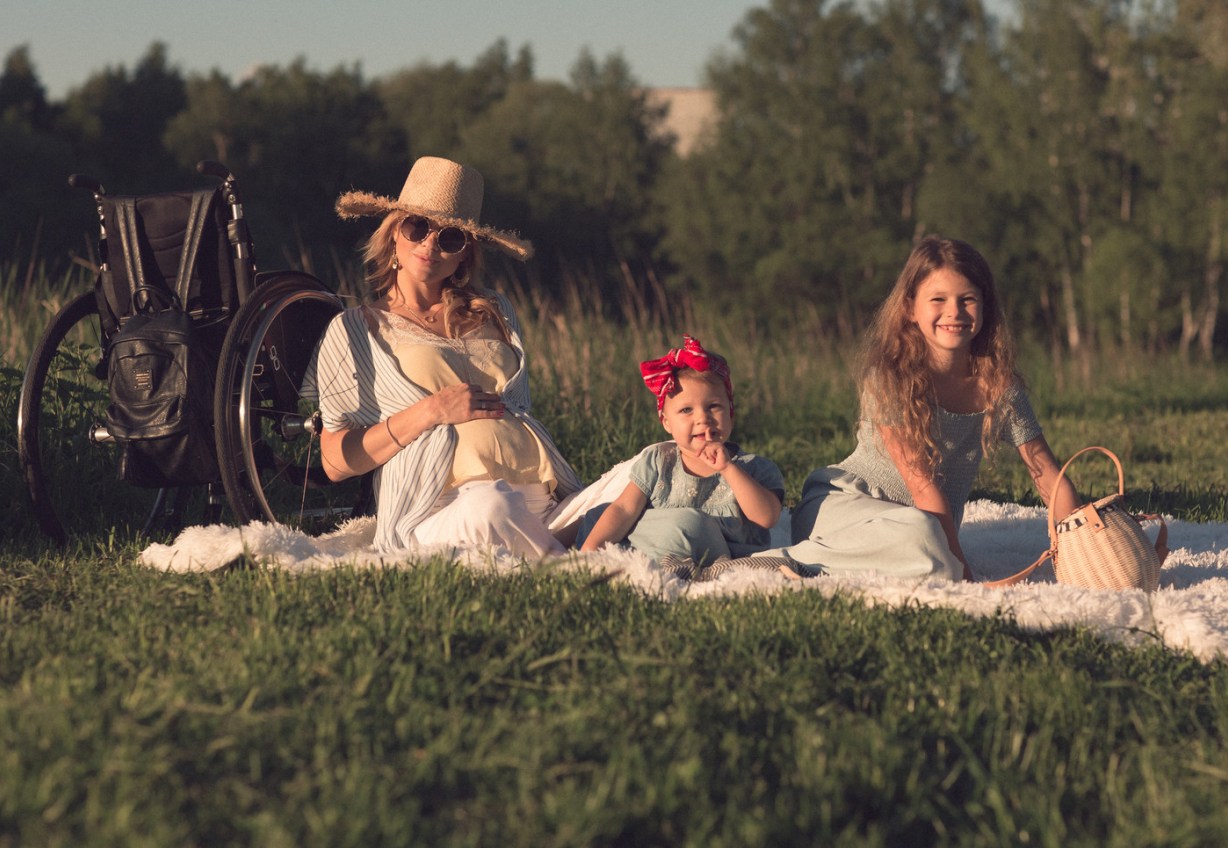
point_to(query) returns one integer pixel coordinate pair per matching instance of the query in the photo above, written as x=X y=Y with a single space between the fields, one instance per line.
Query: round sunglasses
x=449 y=239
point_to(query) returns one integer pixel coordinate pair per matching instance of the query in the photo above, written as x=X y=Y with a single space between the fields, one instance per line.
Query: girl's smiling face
x=697 y=413
x=947 y=311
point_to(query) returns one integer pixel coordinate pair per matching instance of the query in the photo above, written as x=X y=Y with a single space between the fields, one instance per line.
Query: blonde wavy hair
x=896 y=383
x=463 y=306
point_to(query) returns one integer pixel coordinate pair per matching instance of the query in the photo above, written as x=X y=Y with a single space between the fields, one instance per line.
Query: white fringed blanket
x=1190 y=610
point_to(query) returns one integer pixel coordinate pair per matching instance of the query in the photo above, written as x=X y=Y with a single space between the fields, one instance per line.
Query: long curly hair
x=463 y=307
x=896 y=381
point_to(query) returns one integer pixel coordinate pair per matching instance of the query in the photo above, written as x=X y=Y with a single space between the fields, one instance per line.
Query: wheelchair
x=259 y=329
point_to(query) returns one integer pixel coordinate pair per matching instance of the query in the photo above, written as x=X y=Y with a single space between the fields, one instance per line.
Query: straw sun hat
x=448 y=193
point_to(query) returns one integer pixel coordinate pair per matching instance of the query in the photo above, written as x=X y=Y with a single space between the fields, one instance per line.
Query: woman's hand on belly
x=348 y=453
x=466 y=402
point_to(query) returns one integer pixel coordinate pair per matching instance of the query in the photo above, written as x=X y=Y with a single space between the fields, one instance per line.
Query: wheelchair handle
x=230 y=185
x=236 y=230
x=86 y=182
x=214 y=169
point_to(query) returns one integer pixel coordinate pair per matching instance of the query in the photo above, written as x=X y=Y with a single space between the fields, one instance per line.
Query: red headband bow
x=661 y=375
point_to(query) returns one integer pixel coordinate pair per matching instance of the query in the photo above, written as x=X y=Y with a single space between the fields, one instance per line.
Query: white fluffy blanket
x=1190 y=610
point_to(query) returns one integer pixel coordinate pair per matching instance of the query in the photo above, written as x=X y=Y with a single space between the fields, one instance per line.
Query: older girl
x=938 y=389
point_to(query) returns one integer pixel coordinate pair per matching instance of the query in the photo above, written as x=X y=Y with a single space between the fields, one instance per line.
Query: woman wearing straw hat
x=427 y=385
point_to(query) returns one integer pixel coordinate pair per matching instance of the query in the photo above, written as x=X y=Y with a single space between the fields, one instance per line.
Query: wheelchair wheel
x=69 y=464
x=267 y=432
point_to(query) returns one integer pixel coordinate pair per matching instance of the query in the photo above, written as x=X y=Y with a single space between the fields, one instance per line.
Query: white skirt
x=494 y=513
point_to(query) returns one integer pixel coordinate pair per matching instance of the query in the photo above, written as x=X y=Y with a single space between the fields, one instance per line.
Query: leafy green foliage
x=1078 y=144
x=830 y=119
x=116 y=120
x=293 y=115
x=576 y=166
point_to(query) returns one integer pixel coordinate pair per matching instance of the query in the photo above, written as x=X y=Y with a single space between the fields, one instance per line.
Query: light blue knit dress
x=858 y=515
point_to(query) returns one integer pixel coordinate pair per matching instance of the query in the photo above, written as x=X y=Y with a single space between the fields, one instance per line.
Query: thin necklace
x=427 y=316
x=418 y=315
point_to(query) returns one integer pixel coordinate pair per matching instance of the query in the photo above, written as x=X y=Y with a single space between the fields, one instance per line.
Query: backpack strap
x=125 y=213
x=143 y=296
x=198 y=217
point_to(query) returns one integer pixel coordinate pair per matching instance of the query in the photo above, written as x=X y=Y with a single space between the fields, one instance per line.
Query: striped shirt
x=358 y=384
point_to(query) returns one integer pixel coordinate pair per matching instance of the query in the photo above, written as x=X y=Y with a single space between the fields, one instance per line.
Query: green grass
x=436 y=706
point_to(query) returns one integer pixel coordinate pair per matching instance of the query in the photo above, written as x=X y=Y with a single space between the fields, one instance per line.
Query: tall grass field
x=427 y=704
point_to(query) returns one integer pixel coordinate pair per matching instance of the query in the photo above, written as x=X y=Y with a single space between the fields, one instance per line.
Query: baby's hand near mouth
x=714 y=452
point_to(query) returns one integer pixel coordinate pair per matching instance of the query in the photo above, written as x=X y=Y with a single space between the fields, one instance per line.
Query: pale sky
x=666 y=42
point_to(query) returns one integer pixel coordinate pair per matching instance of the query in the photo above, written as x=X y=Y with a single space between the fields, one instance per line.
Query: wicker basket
x=1100 y=545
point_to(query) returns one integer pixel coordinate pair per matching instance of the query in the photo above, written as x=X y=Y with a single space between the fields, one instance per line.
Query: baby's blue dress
x=690 y=516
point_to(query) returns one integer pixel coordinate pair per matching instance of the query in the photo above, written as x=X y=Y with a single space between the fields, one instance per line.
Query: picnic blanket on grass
x=1188 y=612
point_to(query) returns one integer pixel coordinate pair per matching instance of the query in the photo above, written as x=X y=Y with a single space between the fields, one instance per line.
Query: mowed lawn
x=431 y=705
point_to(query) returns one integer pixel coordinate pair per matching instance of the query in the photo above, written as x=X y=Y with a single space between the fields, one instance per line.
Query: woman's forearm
x=353 y=452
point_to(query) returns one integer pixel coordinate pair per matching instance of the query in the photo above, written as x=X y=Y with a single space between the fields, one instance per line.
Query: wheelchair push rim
x=267 y=429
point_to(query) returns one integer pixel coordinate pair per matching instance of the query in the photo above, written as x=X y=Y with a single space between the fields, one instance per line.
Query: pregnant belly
x=502 y=449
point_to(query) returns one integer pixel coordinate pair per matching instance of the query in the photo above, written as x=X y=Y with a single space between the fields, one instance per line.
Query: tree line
x=1080 y=144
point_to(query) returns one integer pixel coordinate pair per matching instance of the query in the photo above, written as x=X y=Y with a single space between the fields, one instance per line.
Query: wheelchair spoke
x=70 y=466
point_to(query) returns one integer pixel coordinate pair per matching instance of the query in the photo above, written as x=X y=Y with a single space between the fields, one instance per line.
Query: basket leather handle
x=1015 y=578
x=1121 y=486
x=1162 y=538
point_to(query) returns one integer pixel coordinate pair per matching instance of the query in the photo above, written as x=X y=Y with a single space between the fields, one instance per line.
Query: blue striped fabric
x=359 y=384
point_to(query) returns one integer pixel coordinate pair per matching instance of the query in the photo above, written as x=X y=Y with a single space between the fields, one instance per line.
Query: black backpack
x=161 y=376
x=159 y=297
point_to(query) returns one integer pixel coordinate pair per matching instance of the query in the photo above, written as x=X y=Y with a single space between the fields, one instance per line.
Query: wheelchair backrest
x=164 y=249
